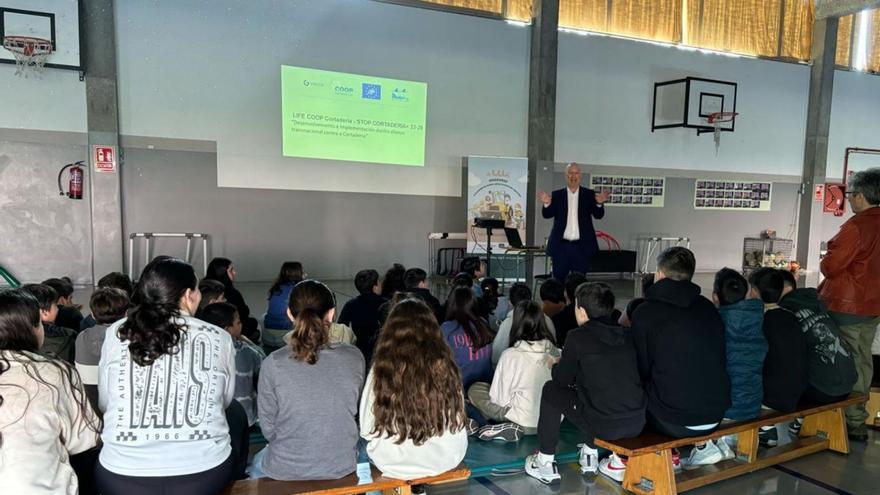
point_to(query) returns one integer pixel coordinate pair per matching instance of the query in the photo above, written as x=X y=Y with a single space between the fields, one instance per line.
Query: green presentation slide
x=340 y=116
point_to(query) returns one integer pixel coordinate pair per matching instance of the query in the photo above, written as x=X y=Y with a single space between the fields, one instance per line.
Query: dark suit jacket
x=587 y=210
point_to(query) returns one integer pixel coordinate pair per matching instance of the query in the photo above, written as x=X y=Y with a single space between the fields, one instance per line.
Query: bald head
x=573 y=176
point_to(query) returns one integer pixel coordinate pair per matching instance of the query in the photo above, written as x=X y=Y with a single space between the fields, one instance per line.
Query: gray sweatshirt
x=307 y=413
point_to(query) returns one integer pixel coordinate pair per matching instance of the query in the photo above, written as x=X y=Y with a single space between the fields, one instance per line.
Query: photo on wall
x=740 y=196
x=631 y=191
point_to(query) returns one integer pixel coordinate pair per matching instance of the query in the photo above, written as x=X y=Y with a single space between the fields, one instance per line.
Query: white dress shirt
x=572 y=230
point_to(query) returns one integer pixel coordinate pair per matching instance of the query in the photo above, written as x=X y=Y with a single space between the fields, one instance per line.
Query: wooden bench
x=649 y=468
x=343 y=486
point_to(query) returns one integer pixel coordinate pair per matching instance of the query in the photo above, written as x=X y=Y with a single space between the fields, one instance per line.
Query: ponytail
x=310 y=301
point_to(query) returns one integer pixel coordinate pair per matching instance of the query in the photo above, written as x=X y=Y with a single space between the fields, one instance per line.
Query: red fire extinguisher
x=75 y=185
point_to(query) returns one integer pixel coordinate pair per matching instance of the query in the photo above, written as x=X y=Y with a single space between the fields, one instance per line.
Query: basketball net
x=716 y=120
x=30 y=53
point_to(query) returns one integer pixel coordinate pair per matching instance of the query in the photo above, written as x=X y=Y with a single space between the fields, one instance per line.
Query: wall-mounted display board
x=631 y=191
x=732 y=195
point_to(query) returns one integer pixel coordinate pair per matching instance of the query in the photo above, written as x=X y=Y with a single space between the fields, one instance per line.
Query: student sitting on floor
x=566 y=321
x=393 y=281
x=785 y=368
x=108 y=306
x=212 y=292
x=113 y=280
x=476 y=268
x=291 y=274
x=160 y=358
x=626 y=316
x=680 y=341
x=308 y=396
x=59 y=341
x=500 y=303
x=519 y=292
x=746 y=348
x=415 y=281
x=223 y=271
x=552 y=295
x=595 y=385
x=412 y=410
x=524 y=368
x=362 y=312
x=45 y=416
x=248 y=357
x=69 y=315
x=831 y=368
x=469 y=337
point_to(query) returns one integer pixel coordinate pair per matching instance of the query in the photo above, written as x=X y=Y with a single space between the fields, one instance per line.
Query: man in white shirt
x=572 y=239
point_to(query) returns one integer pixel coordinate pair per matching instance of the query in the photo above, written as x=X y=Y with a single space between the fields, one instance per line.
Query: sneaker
x=505 y=432
x=472 y=427
x=614 y=467
x=676 y=461
x=706 y=455
x=794 y=428
x=419 y=490
x=726 y=452
x=767 y=436
x=589 y=460
x=543 y=472
x=858 y=433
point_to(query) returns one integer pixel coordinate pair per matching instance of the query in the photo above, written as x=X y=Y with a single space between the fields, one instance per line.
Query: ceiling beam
x=840 y=8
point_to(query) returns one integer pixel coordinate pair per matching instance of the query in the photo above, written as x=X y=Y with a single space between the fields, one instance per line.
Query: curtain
x=658 y=20
x=797 y=29
x=591 y=15
x=519 y=10
x=844 y=40
x=749 y=27
x=874 y=42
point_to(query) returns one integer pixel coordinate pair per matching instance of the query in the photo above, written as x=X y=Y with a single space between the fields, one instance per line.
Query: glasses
x=850 y=193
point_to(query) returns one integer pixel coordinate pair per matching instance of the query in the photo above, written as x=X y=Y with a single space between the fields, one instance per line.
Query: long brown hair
x=461 y=307
x=416 y=382
x=309 y=303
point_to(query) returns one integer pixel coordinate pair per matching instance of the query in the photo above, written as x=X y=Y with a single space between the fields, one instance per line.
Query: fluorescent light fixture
x=860 y=61
x=686 y=48
x=517 y=23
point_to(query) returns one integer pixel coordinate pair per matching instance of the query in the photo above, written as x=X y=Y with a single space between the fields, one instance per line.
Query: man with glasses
x=851 y=288
x=573 y=239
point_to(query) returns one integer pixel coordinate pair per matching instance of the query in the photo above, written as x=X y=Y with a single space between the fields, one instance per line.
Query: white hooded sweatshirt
x=519 y=378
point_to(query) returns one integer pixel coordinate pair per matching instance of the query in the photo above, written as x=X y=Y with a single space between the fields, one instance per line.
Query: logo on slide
x=399 y=94
x=343 y=89
x=371 y=91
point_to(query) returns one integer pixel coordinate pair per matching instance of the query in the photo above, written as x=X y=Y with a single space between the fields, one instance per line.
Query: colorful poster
x=497 y=189
x=732 y=195
x=626 y=190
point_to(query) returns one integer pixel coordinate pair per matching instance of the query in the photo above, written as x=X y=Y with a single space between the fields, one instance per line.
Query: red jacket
x=852 y=266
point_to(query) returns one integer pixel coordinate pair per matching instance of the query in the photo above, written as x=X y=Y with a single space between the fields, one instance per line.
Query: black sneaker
x=505 y=432
x=471 y=426
x=419 y=490
x=768 y=437
x=794 y=428
x=857 y=433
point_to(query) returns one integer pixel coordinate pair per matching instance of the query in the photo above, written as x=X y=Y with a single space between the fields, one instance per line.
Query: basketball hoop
x=30 y=53
x=715 y=120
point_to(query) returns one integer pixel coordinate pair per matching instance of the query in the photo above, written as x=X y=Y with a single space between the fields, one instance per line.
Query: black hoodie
x=679 y=337
x=600 y=360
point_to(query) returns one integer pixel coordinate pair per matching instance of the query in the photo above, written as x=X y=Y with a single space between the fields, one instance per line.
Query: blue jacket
x=746 y=349
x=276 y=314
x=558 y=211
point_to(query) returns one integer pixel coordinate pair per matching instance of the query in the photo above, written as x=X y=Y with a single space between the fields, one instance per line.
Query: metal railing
x=148 y=237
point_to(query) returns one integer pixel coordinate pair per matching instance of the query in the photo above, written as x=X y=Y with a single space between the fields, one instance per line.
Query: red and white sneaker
x=614 y=467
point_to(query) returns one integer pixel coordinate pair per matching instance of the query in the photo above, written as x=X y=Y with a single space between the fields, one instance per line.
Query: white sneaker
x=589 y=460
x=613 y=467
x=708 y=454
x=543 y=472
x=726 y=452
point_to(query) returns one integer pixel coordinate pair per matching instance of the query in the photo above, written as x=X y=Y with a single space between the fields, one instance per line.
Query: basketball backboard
x=54 y=20
x=689 y=102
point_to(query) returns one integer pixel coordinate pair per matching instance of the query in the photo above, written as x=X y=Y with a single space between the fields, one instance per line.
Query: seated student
x=108 y=306
x=565 y=321
x=59 y=341
x=494 y=302
x=476 y=268
x=160 y=358
x=362 y=312
x=113 y=280
x=746 y=348
x=785 y=367
x=602 y=404
x=412 y=411
x=831 y=368
x=415 y=281
x=552 y=295
x=680 y=342
x=519 y=292
x=69 y=315
x=626 y=316
x=45 y=417
x=308 y=396
x=223 y=271
x=515 y=393
x=469 y=337
x=248 y=357
x=291 y=274
x=212 y=292
x=393 y=281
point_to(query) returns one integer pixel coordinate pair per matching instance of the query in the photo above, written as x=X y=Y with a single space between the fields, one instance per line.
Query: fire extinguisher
x=75 y=185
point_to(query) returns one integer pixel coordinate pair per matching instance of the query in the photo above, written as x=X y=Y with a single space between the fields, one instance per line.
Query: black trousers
x=240 y=439
x=558 y=401
x=815 y=396
x=570 y=257
x=210 y=482
x=673 y=430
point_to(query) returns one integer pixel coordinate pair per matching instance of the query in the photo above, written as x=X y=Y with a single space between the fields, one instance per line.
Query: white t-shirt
x=41 y=428
x=407 y=461
x=167 y=419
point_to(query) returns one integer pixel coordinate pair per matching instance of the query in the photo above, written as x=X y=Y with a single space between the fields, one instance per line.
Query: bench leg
x=831 y=425
x=650 y=474
x=747 y=445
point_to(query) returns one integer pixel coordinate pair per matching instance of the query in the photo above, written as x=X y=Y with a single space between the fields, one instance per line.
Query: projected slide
x=341 y=116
